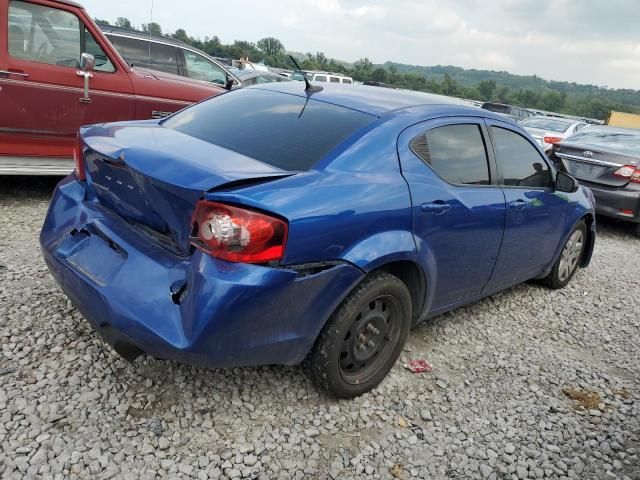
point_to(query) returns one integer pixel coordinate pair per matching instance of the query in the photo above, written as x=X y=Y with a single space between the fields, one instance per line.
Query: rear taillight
x=78 y=158
x=630 y=172
x=552 y=140
x=237 y=234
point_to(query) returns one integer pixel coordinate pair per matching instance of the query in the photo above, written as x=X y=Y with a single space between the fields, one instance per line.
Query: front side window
x=456 y=152
x=347 y=80
x=522 y=165
x=201 y=68
x=43 y=34
x=320 y=78
x=103 y=64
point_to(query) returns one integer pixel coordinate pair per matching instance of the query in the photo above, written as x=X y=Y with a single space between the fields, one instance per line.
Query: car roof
x=129 y=32
x=244 y=74
x=369 y=99
x=611 y=129
x=70 y=2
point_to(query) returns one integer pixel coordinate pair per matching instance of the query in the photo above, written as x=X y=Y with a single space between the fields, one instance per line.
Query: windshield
x=286 y=131
x=552 y=125
x=621 y=141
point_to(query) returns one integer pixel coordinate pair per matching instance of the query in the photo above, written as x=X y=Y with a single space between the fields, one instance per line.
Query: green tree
x=152 y=28
x=486 y=89
x=449 y=85
x=270 y=46
x=123 y=22
x=380 y=75
x=181 y=35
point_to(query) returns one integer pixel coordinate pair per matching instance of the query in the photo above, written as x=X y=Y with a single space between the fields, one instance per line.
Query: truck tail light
x=630 y=172
x=552 y=140
x=78 y=158
x=238 y=234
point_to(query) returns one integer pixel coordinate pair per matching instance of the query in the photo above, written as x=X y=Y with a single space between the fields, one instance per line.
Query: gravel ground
x=530 y=383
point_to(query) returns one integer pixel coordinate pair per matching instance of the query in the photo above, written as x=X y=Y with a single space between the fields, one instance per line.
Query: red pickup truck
x=58 y=72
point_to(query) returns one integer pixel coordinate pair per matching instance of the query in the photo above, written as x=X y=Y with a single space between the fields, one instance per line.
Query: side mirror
x=566 y=183
x=87 y=62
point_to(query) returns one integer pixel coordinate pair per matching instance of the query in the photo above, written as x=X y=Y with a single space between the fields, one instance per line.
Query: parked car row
x=607 y=160
x=59 y=71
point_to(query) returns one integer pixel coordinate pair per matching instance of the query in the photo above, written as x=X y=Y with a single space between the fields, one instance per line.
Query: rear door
x=535 y=212
x=458 y=207
x=42 y=93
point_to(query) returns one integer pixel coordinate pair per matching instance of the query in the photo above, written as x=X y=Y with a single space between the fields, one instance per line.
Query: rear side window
x=141 y=53
x=320 y=78
x=43 y=34
x=456 y=152
x=334 y=79
x=522 y=165
x=286 y=131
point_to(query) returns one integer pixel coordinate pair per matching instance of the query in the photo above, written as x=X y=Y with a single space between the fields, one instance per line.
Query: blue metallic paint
x=360 y=207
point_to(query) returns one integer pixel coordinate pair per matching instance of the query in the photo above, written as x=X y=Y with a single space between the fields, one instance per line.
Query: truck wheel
x=566 y=266
x=363 y=338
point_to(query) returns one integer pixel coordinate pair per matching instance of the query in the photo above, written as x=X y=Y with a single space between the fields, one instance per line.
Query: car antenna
x=308 y=87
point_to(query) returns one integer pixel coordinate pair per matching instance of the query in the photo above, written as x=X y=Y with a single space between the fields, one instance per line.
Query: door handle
x=518 y=204
x=438 y=207
x=6 y=73
x=86 y=76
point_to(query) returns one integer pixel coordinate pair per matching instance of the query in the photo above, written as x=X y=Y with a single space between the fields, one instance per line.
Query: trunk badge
x=587 y=154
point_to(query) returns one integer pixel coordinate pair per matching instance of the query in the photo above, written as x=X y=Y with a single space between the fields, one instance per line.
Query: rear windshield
x=286 y=131
x=626 y=143
x=551 y=125
x=495 y=107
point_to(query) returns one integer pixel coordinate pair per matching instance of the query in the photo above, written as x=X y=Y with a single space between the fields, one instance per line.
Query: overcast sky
x=586 y=41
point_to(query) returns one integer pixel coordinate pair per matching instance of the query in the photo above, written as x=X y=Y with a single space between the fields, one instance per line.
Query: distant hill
x=472 y=77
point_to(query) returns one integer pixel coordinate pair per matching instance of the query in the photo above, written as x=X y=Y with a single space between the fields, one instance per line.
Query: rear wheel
x=566 y=266
x=363 y=338
x=637 y=229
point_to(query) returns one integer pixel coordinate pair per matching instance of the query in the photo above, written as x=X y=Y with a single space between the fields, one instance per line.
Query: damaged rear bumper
x=141 y=297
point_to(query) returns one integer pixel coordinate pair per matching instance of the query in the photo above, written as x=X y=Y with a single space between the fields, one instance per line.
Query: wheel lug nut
x=373 y=329
x=371 y=344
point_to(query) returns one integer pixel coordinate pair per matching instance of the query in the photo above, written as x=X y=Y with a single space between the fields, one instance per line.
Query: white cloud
x=587 y=41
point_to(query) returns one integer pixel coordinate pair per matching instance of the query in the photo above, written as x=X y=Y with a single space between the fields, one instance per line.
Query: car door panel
x=534 y=216
x=41 y=96
x=458 y=227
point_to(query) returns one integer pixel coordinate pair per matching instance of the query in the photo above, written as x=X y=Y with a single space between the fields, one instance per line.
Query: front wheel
x=566 y=266
x=363 y=338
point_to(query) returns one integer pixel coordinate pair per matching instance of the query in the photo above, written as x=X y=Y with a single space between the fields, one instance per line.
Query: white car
x=547 y=130
x=330 y=77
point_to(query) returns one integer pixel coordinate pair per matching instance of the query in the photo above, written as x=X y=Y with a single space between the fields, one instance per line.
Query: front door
x=535 y=212
x=458 y=207
x=42 y=93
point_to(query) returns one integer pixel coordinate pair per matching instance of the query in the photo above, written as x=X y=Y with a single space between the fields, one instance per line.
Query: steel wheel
x=363 y=338
x=370 y=340
x=570 y=255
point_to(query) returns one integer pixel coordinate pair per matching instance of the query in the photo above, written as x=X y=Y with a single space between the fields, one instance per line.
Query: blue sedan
x=278 y=225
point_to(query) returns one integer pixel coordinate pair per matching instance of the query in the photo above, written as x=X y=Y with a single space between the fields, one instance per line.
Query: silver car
x=548 y=131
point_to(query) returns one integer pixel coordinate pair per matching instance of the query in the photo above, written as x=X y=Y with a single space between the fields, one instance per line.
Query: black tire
x=363 y=338
x=562 y=272
x=636 y=230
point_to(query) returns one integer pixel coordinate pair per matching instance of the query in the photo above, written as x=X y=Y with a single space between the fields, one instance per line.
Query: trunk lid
x=593 y=165
x=153 y=177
